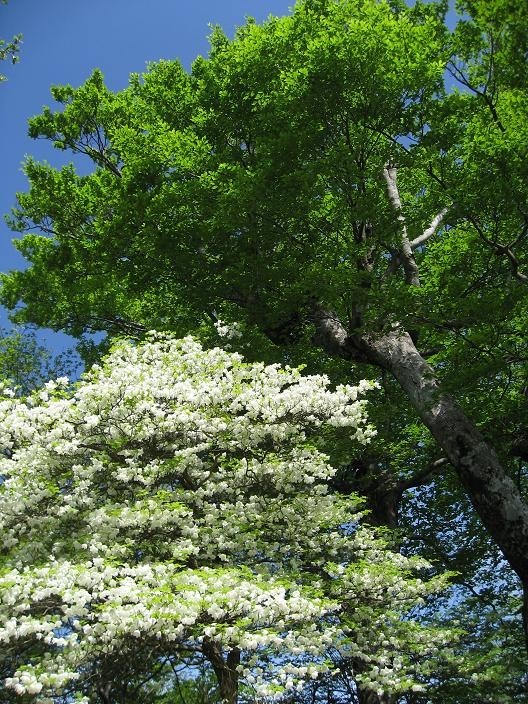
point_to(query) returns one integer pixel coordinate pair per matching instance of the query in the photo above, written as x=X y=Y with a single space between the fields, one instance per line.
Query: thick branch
x=407 y=259
x=493 y=494
x=332 y=336
x=514 y=264
x=225 y=669
x=499 y=249
x=429 y=231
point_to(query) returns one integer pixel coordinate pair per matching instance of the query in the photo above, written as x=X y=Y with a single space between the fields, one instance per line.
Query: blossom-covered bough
x=174 y=503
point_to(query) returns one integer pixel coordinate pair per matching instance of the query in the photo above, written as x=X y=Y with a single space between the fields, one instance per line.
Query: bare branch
x=128 y=327
x=514 y=265
x=406 y=256
x=430 y=231
x=389 y=173
x=498 y=249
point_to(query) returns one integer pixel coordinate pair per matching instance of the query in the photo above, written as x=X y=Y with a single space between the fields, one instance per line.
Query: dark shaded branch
x=422 y=477
x=459 y=76
x=225 y=669
x=500 y=249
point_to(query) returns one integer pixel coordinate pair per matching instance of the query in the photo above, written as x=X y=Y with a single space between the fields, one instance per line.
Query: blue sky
x=64 y=40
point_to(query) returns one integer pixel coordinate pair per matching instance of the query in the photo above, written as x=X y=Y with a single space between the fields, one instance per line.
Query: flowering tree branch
x=141 y=516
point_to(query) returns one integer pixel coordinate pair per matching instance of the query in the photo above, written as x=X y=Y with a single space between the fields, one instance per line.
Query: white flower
x=177 y=494
x=230 y=331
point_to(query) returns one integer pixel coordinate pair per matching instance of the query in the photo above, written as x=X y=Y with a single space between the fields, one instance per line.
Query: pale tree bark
x=406 y=253
x=494 y=495
x=431 y=230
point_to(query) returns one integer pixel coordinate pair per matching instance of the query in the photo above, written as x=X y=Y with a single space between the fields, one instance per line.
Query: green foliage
x=9 y=48
x=25 y=364
x=250 y=187
x=226 y=194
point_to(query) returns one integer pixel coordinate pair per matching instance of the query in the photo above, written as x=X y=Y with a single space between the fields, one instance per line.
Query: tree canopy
x=174 y=504
x=343 y=187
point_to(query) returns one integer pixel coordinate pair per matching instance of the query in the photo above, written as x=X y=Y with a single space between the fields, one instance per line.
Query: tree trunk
x=103 y=690
x=369 y=697
x=225 y=669
x=494 y=495
x=380 y=489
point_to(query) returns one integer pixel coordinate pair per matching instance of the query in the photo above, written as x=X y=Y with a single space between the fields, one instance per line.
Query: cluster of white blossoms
x=231 y=331
x=178 y=495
